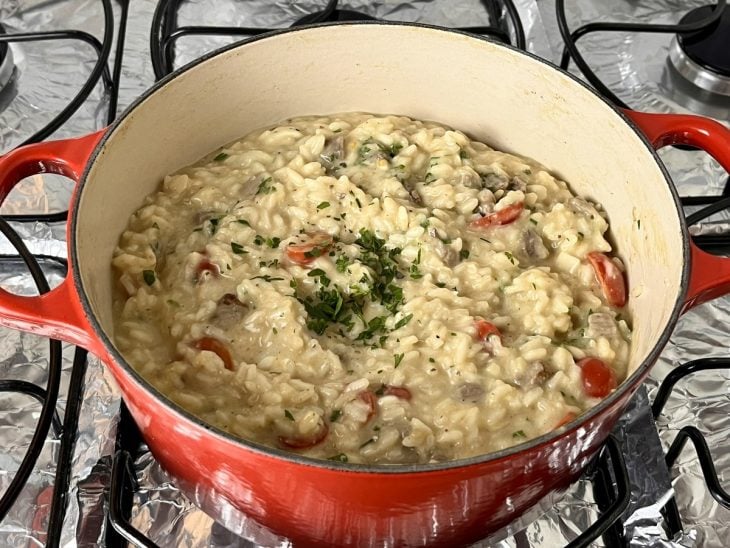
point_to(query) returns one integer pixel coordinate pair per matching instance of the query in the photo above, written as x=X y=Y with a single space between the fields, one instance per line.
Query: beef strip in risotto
x=372 y=289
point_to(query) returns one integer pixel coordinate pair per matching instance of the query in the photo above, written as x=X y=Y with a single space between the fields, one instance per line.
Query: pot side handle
x=709 y=274
x=56 y=313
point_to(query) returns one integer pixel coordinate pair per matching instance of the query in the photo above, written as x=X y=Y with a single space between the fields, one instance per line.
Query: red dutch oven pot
x=509 y=99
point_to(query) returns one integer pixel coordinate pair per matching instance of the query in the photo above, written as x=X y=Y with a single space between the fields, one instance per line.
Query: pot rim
x=628 y=384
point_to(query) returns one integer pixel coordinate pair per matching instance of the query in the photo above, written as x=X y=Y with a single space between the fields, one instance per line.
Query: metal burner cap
x=703 y=57
x=336 y=16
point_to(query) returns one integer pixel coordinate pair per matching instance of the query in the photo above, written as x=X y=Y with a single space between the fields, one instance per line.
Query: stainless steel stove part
x=703 y=57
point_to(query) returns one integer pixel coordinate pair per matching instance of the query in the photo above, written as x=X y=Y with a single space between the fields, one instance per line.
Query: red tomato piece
x=504 y=216
x=598 y=378
x=206 y=266
x=306 y=442
x=485 y=329
x=398 y=391
x=370 y=399
x=569 y=416
x=305 y=253
x=610 y=277
x=210 y=344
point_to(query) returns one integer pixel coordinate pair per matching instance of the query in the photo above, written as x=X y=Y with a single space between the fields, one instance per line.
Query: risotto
x=372 y=289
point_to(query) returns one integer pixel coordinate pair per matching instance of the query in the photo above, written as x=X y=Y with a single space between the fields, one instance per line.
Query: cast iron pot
x=511 y=100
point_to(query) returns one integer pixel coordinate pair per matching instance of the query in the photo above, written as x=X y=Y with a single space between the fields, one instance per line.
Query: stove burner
x=6 y=61
x=703 y=57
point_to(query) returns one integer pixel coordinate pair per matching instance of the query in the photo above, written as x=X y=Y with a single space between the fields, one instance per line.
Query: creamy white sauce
x=322 y=286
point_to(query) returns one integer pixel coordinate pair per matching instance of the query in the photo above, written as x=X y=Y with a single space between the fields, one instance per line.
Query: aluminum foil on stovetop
x=160 y=509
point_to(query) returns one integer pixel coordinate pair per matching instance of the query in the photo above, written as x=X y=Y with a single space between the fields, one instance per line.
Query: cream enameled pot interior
x=494 y=94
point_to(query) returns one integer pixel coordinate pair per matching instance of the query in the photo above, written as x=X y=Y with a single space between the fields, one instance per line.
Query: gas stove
x=75 y=470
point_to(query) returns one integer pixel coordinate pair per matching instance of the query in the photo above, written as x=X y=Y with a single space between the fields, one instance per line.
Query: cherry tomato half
x=218 y=348
x=504 y=216
x=485 y=329
x=398 y=391
x=370 y=399
x=610 y=277
x=598 y=378
x=569 y=416
x=305 y=253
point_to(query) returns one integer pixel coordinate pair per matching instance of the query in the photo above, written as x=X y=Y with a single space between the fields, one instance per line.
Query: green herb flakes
x=403 y=321
x=342 y=262
x=338 y=458
x=519 y=434
x=267 y=278
x=149 y=277
x=533 y=221
x=237 y=248
x=265 y=187
x=464 y=254
x=244 y=222
x=336 y=414
x=510 y=257
x=288 y=415
x=397 y=358
x=323 y=205
x=213 y=225
x=220 y=157
x=173 y=302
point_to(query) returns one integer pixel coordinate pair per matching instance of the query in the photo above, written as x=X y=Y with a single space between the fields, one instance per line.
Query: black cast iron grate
x=65 y=430
x=714 y=204
x=505 y=26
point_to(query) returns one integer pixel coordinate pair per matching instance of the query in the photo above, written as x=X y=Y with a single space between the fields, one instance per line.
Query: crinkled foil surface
x=49 y=74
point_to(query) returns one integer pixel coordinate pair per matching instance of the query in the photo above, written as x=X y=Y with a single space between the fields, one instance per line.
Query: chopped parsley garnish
x=337 y=130
x=267 y=278
x=397 y=358
x=323 y=205
x=321 y=274
x=213 y=224
x=244 y=222
x=581 y=235
x=336 y=414
x=265 y=187
x=342 y=262
x=431 y=360
x=237 y=248
x=391 y=150
x=148 y=276
x=173 y=302
x=220 y=157
x=288 y=415
x=519 y=434
x=338 y=458
x=464 y=254
x=510 y=257
x=463 y=154
x=533 y=221
x=371 y=440
x=273 y=243
x=382 y=262
x=375 y=325
x=403 y=321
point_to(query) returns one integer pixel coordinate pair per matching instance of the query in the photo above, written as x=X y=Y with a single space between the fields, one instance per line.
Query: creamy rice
x=372 y=289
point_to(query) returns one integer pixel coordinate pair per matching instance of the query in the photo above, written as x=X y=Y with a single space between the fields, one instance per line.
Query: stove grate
x=166 y=31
